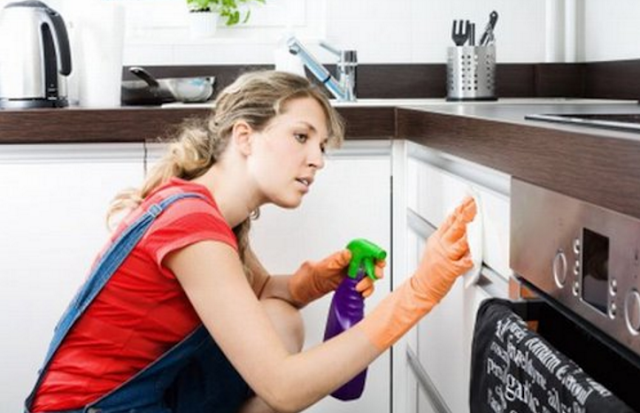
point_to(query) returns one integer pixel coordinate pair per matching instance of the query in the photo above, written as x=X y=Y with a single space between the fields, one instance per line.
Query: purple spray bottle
x=347 y=305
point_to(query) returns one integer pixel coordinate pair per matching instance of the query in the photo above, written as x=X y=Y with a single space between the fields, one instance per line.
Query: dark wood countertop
x=596 y=165
x=140 y=124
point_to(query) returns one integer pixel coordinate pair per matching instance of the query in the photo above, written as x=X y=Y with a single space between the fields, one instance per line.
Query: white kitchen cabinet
x=424 y=402
x=439 y=188
x=53 y=205
x=434 y=183
x=349 y=199
x=441 y=346
x=439 y=342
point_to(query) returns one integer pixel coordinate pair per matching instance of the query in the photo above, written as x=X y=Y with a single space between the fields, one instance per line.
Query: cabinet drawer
x=434 y=193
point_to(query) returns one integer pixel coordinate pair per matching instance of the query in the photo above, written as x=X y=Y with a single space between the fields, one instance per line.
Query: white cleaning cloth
x=475 y=239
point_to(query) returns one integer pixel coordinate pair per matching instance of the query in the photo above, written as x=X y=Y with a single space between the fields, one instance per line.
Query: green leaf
x=234 y=18
x=228 y=9
x=198 y=4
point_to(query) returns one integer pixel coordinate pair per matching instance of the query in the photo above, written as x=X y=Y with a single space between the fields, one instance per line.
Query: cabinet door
x=439 y=345
x=52 y=223
x=413 y=394
x=440 y=191
x=424 y=403
x=441 y=348
x=436 y=183
x=350 y=199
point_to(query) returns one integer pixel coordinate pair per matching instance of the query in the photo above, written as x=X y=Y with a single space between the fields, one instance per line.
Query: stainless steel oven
x=583 y=262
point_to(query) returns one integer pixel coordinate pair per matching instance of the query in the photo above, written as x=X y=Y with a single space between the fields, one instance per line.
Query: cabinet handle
x=424 y=381
x=492 y=283
x=424 y=229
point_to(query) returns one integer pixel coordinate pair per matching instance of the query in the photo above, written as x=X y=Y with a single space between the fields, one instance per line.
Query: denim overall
x=193 y=376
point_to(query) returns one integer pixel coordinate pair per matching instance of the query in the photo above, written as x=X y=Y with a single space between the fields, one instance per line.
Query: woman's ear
x=242 y=135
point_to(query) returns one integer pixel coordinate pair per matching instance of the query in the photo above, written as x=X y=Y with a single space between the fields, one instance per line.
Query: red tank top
x=141 y=312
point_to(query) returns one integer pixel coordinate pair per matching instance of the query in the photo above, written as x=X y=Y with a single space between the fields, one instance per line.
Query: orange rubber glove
x=315 y=279
x=446 y=256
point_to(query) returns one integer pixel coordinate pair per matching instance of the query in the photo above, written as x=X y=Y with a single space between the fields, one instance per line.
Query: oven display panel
x=595 y=269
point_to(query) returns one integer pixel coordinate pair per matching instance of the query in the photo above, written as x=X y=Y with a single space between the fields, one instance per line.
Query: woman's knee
x=287 y=321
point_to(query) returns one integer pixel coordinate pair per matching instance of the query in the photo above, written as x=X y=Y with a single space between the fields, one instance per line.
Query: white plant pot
x=203 y=24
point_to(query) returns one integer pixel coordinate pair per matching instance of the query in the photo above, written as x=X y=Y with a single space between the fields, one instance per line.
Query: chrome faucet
x=344 y=88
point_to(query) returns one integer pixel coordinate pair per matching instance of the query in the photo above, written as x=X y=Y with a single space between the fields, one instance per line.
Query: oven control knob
x=560 y=268
x=632 y=311
x=576 y=246
x=613 y=310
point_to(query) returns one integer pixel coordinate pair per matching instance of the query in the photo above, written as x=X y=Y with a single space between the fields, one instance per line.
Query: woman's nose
x=316 y=158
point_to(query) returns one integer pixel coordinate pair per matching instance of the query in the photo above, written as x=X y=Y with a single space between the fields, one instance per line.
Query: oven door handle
x=495 y=286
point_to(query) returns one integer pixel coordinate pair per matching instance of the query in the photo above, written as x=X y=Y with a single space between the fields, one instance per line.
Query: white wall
x=612 y=29
x=419 y=31
x=382 y=31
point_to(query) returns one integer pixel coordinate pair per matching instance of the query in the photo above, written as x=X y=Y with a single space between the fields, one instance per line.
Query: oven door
x=532 y=356
x=578 y=346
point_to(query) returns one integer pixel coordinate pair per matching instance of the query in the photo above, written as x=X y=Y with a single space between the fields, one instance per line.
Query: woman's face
x=287 y=154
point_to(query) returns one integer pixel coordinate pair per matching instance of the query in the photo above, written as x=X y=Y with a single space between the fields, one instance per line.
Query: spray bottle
x=347 y=305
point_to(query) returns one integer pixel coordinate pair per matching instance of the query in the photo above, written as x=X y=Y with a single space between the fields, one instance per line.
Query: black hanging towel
x=513 y=369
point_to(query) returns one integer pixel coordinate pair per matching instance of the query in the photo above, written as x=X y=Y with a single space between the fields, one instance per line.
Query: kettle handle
x=60 y=40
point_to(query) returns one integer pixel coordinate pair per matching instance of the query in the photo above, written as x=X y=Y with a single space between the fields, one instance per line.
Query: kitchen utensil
x=146 y=76
x=471 y=73
x=472 y=34
x=191 y=89
x=460 y=32
x=152 y=91
x=35 y=56
x=487 y=36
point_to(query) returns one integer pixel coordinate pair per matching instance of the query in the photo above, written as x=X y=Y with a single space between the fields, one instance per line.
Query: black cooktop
x=622 y=121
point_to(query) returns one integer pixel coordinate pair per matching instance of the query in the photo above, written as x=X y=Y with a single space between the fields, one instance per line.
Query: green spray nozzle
x=364 y=253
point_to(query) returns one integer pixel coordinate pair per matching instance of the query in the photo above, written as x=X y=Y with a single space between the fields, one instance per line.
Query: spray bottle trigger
x=369 y=268
x=363 y=259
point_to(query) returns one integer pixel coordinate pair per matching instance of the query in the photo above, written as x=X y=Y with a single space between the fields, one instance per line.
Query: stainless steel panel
x=546 y=225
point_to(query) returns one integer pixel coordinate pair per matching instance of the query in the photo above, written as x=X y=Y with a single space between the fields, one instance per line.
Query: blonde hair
x=256 y=98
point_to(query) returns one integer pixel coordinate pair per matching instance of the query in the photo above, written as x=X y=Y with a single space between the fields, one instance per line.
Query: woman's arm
x=229 y=308
x=213 y=278
x=266 y=285
x=312 y=280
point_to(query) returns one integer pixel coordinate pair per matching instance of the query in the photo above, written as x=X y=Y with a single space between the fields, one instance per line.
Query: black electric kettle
x=35 y=56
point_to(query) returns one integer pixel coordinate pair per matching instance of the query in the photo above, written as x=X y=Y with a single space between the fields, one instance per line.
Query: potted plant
x=204 y=14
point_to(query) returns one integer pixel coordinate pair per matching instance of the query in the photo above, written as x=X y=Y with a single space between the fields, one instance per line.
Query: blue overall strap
x=105 y=268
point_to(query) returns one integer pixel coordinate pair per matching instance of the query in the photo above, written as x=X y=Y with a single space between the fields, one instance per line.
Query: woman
x=178 y=315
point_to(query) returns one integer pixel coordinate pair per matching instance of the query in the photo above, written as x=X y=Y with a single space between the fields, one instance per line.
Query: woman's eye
x=301 y=137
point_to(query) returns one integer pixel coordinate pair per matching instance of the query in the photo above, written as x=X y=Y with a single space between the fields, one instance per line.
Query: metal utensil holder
x=471 y=73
